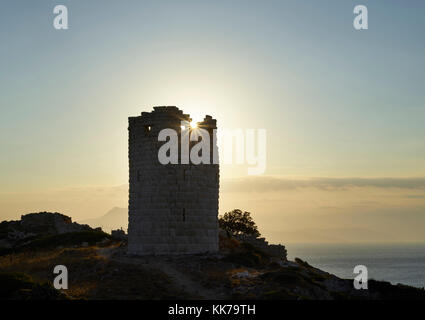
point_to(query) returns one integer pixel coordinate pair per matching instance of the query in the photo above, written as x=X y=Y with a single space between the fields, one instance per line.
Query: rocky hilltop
x=100 y=268
x=36 y=225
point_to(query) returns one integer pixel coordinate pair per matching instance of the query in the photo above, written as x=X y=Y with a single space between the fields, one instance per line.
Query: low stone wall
x=275 y=250
x=119 y=234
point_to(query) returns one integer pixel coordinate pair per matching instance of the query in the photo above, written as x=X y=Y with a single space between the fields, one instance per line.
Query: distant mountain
x=115 y=218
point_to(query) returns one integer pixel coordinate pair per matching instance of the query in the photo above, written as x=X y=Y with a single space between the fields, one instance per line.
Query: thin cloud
x=273 y=183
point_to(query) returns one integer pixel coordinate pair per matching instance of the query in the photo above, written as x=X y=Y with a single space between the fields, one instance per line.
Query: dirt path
x=180 y=279
x=189 y=285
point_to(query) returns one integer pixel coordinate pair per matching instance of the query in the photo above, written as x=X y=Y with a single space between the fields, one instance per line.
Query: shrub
x=237 y=222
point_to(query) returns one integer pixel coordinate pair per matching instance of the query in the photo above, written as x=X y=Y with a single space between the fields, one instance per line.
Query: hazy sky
x=336 y=103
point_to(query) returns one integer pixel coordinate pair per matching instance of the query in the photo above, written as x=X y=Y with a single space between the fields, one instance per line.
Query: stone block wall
x=173 y=208
x=275 y=250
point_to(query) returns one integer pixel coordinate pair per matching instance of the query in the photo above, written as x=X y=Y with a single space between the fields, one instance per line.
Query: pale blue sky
x=335 y=102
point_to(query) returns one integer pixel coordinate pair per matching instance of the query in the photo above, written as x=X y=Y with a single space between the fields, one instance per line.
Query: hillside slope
x=100 y=268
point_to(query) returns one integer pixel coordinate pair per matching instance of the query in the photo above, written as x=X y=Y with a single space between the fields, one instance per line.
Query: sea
x=393 y=262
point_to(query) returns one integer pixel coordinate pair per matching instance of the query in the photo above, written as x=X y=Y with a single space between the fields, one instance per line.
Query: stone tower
x=173 y=208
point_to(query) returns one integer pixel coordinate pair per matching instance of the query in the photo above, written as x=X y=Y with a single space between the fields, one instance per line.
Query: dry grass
x=92 y=274
x=80 y=262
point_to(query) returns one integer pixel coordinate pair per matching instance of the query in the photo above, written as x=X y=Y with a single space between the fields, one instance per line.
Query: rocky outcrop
x=119 y=234
x=34 y=225
x=238 y=271
x=274 y=250
x=50 y=223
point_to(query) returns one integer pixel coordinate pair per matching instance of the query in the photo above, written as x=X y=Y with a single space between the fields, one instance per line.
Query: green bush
x=237 y=222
